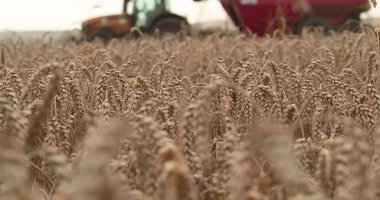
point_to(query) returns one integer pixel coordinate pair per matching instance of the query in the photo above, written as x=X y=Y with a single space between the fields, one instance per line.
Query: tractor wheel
x=352 y=23
x=104 y=35
x=311 y=22
x=169 y=27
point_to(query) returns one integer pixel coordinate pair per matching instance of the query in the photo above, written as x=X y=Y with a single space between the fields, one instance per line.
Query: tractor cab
x=145 y=10
x=148 y=15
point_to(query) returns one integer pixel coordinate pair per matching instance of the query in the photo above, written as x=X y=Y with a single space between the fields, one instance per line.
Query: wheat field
x=216 y=118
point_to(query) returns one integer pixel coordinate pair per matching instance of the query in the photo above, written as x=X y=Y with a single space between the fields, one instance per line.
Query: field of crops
x=216 y=118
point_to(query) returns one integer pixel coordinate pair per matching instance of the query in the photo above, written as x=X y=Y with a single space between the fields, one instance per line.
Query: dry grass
x=235 y=118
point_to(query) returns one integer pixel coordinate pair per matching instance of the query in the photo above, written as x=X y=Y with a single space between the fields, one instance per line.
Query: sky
x=27 y=15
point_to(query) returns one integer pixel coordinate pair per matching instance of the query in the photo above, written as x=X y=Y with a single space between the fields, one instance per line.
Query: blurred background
x=30 y=18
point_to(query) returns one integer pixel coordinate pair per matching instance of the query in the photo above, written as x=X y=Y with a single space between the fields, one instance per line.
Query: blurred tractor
x=148 y=15
x=252 y=16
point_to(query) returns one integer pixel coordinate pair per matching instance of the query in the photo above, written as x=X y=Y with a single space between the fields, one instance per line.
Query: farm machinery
x=147 y=15
x=253 y=16
x=257 y=16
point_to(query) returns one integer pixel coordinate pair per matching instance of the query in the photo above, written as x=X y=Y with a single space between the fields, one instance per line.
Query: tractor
x=252 y=16
x=147 y=15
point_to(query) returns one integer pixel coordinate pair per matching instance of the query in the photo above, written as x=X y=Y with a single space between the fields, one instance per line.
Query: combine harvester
x=253 y=16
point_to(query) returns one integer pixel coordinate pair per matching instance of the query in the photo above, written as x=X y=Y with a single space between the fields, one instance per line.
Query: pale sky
x=25 y=15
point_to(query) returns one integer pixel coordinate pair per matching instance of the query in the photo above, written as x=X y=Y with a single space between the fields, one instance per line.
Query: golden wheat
x=217 y=118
